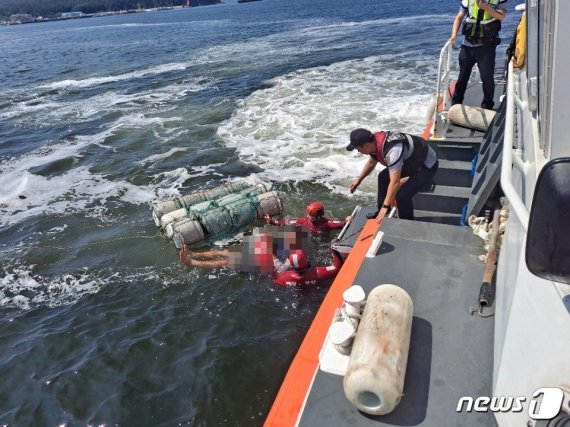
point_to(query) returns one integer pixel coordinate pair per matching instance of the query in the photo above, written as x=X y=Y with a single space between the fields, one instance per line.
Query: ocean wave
x=158 y=157
x=42 y=110
x=22 y=289
x=101 y=80
x=78 y=190
x=387 y=21
x=171 y=24
x=298 y=128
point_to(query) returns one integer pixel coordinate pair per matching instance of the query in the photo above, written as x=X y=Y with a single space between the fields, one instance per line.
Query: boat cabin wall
x=547 y=65
x=559 y=113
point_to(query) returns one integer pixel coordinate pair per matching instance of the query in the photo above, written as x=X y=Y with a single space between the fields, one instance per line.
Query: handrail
x=515 y=201
x=341 y=234
x=443 y=71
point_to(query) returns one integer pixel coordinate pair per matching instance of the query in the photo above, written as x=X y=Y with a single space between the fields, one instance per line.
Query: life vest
x=414 y=157
x=311 y=276
x=479 y=26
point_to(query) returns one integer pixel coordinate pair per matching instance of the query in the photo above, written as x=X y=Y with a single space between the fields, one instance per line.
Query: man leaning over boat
x=404 y=156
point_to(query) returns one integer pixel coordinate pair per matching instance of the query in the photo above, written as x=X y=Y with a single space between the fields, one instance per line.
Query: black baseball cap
x=359 y=137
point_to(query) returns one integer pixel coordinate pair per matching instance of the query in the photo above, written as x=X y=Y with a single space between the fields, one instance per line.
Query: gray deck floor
x=450 y=351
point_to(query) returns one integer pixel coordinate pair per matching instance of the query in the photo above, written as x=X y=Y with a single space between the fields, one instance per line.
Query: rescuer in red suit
x=315 y=220
x=302 y=274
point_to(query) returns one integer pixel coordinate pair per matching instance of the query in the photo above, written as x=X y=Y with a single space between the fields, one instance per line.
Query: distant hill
x=53 y=8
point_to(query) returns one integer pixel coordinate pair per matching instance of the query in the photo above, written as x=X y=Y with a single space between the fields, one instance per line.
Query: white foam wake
x=298 y=129
x=26 y=194
x=43 y=109
x=22 y=289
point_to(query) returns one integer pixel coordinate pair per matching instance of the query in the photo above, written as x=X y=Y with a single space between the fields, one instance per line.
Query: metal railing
x=512 y=157
x=442 y=101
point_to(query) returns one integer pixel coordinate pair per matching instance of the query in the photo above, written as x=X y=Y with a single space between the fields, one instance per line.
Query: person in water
x=255 y=255
x=315 y=220
x=404 y=156
x=481 y=38
x=259 y=253
x=293 y=271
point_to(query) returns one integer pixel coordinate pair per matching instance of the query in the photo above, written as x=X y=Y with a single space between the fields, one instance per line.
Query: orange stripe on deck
x=290 y=400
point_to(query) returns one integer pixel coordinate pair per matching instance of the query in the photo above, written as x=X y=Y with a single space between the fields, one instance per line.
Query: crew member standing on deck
x=404 y=156
x=481 y=38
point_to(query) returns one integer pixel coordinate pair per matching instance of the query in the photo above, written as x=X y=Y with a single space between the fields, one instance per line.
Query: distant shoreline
x=35 y=20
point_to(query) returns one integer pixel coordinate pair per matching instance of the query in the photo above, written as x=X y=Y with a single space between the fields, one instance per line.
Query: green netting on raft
x=243 y=212
x=248 y=192
x=231 y=217
x=214 y=193
x=200 y=209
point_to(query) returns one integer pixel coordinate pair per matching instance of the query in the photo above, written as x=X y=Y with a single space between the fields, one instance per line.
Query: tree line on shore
x=54 y=8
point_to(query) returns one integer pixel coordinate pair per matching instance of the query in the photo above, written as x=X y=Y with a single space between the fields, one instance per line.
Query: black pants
x=404 y=196
x=484 y=57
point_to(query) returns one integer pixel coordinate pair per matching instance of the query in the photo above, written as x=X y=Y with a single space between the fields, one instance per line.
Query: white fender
x=374 y=380
x=470 y=117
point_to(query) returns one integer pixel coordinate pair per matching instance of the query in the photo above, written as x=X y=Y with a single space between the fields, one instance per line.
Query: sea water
x=101 y=324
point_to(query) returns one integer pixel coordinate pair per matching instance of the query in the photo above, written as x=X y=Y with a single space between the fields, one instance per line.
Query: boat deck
x=437 y=262
x=439 y=268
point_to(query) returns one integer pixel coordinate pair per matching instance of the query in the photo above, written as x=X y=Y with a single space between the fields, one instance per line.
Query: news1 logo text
x=545 y=403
